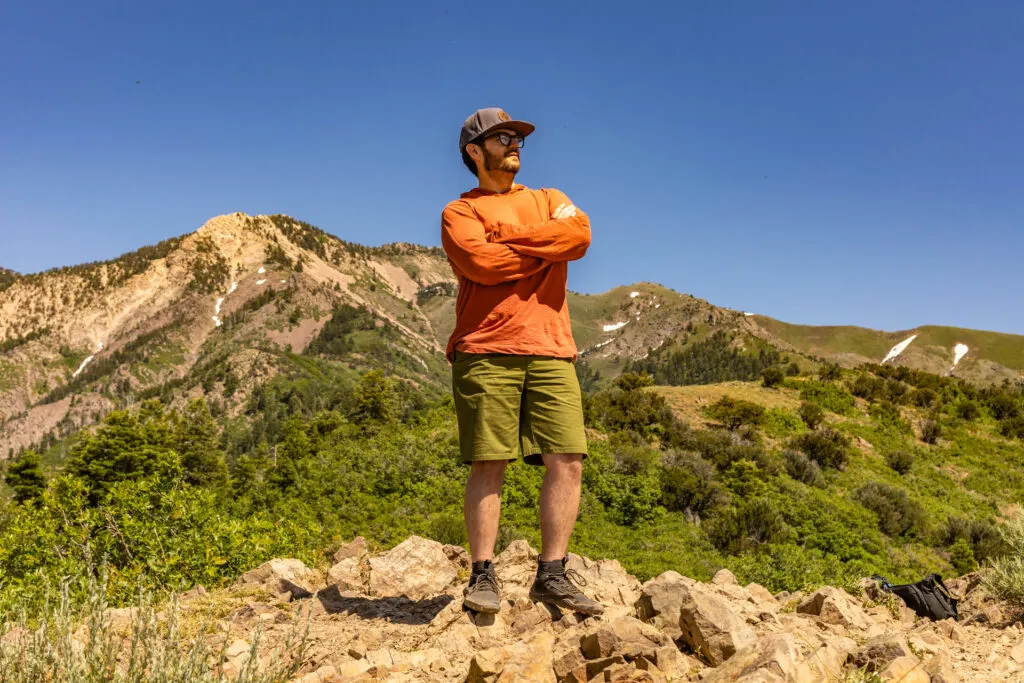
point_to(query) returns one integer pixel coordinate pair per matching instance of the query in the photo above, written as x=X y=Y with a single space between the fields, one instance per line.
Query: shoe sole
x=565 y=604
x=481 y=607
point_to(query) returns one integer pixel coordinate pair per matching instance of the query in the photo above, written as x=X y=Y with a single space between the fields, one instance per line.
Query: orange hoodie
x=511 y=259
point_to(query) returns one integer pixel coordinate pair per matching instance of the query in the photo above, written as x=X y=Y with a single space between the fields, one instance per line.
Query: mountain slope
x=221 y=311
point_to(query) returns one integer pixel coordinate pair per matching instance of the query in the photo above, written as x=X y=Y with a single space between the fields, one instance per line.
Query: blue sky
x=823 y=163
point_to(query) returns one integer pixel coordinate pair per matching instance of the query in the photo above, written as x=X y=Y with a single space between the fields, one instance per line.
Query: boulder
x=627 y=637
x=525 y=661
x=458 y=556
x=355 y=548
x=281 y=577
x=835 y=606
x=416 y=568
x=724 y=577
x=760 y=596
x=660 y=601
x=710 y=627
x=606 y=580
x=940 y=669
x=877 y=653
x=905 y=669
x=347 y=575
x=774 y=658
x=571 y=667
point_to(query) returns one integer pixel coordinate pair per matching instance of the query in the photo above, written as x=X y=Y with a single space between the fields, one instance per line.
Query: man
x=513 y=354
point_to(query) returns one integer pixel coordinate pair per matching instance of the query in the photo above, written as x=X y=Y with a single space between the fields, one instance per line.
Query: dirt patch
x=688 y=402
x=298 y=337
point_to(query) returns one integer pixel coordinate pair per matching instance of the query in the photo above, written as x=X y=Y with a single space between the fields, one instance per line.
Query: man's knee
x=488 y=470
x=565 y=464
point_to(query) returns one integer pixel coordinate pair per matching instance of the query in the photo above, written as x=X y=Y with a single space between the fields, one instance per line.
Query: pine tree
x=25 y=476
x=196 y=442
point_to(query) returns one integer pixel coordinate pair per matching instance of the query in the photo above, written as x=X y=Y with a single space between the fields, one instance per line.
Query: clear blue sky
x=822 y=163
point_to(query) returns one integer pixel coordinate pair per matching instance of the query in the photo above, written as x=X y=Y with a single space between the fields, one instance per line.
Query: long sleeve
x=556 y=239
x=472 y=256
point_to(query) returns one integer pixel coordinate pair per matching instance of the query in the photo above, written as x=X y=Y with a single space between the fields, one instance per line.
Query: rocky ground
x=397 y=616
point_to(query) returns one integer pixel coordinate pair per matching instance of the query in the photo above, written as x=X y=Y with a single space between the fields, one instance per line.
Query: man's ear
x=475 y=152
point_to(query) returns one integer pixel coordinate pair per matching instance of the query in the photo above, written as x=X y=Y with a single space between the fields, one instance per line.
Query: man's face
x=499 y=157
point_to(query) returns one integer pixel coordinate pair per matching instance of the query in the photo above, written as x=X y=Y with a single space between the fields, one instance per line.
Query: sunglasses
x=506 y=139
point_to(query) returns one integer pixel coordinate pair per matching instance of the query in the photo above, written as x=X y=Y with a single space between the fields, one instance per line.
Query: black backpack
x=929 y=597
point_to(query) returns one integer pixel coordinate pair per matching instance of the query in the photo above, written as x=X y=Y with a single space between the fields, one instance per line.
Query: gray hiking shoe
x=558 y=587
x=483 y=593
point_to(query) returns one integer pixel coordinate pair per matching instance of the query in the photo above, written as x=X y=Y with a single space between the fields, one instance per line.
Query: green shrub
x=25 y=477
x=900 y=461
x=811 y=414
x=829 y=372
x=888 y=416
x=897 y=514
x=1012 y=427
x=961 y=556
x=772 y=376
x=792 y=370
x=753 y=523
x=829 y=396
x=778 y=423
x=931 y=431
x=800 y=467
x=827 y=447
x=1006 y=578
x=968 y=410
x=868 y=387
x=923 y=398
x=689 y=483
x=735 y=413
x=982 y=537
x=1003 y=406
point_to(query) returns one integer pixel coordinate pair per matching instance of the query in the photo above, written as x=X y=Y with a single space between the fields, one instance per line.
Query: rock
x=571 y=667
x=774 y=658
x=627 y=636
x=1017 y=653
x=281 y=577
x=876 y=654
x=325 y=674
x=416 y=568
x=760 y=596
x=660 y=601
x=197 y=592
x=607 y=581
x=355 y=548
x=516 y=567
x=834 y=606
x=525 y=661
x=940 y=669
x=458 y=556
x=949 y=629
x=236 y=657
x=724 y=577
x=597 y=667
x=347 y=575
x=710 y=627
x=905 y=670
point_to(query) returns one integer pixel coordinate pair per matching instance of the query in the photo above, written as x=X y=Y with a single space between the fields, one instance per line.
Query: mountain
x=222 y=311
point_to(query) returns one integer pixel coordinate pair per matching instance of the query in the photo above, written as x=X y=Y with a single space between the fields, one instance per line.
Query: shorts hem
x=487 y=457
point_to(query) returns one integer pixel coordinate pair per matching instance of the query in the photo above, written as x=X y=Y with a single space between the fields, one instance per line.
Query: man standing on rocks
x=513 y=354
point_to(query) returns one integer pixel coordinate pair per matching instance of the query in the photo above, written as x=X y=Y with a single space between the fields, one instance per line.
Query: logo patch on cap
x=502 y=116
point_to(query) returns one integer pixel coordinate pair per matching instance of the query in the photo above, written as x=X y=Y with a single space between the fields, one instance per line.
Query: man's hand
x=564 y=211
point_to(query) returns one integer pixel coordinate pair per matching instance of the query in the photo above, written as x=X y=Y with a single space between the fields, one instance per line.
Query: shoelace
x=567 y=580
x=489 y=580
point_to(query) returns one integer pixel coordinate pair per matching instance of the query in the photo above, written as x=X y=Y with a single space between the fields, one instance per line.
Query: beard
x=508 y=162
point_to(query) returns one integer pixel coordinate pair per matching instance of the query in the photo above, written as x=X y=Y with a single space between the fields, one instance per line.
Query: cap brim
x=521 y=127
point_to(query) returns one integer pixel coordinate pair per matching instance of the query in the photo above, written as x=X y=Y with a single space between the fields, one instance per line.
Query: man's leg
x=482 y=507
x=559 y=503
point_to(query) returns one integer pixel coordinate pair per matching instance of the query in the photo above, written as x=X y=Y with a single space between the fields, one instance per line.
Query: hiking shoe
x=483 y=594
x=558 y=587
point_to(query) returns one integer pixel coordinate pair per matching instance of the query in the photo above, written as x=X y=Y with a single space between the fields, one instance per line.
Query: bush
x=961 y=556
x=900 y=461
x=887 y=415
x=829 y=396
x=811 y=414
x=827 y=447
x=982 y=537
x=792 y=370
x=803 y=469
x=868 y=387
x=968 y=410
x=931 y=431
x=923 y=398
x=772 y=376
x=779 y=423
x=829 y=372
x=1006 y=578
x=897 y=514
x=689 y=483
x=752 y=524
x=1012 y=427
x=736 y=413
x=25 y=477
x=1003 y=406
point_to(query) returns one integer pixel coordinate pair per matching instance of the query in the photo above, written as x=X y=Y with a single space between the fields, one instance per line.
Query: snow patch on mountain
x=614 y=326
x=899 y=348
x=260 y=282
x=959 y=351
x=633 y=295
x=220 y=302
x=261 y=270
x=76 y=373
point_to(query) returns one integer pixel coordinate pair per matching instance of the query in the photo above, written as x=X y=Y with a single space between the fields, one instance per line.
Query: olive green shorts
x=505 y=402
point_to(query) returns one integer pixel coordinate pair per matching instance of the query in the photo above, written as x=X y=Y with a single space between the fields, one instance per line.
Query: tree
x=793 y=369
x=631 y=381
x=25 y=476
x=375 y=399
x=829 y=372
x=195 y=440
x=736 y=413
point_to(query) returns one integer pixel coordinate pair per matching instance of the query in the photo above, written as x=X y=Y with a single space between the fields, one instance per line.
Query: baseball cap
x=486 y=120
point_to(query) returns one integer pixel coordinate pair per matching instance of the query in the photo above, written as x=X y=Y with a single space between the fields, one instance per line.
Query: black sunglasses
x=506 y=139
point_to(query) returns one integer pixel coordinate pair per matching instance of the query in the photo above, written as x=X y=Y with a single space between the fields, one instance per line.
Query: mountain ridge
x=243 y=296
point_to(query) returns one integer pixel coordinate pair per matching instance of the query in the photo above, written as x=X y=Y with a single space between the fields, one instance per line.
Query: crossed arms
x=512 y=252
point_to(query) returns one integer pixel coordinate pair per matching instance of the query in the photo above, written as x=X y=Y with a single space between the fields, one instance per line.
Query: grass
x=148 y=642
x=689 y=402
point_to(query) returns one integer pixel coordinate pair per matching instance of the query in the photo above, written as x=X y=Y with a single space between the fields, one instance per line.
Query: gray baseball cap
x=486 y=120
